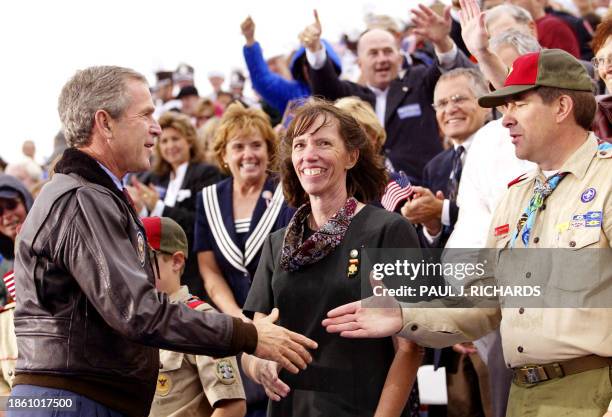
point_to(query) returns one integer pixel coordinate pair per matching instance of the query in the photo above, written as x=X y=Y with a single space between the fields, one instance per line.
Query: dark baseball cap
x=187 y=91
x=165 y=235
x=547 y=68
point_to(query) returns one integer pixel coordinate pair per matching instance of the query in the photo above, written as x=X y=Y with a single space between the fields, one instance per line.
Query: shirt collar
x=378 y=91
x=120 y=184
x=579 y=161
x=181 y=295
x=466 y=143
x=181 y=169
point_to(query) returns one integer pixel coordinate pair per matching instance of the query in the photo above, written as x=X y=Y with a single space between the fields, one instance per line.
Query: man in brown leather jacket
x=89 y=320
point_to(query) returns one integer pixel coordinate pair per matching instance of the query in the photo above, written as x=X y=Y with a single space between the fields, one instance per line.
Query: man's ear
x=178 y=261
x=103 y=123
x=565 y=108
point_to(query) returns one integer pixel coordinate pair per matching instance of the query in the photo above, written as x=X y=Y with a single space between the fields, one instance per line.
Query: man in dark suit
x=401 y=95
x=459 y=117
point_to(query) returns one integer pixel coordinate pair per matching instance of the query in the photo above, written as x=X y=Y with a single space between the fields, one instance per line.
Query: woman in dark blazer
x=176 y=177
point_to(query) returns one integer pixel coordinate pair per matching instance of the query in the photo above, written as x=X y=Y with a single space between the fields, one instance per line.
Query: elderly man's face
x=12 y=216
x=507 y=53
x=134 y=132
x=457 y=111
x=379 y=58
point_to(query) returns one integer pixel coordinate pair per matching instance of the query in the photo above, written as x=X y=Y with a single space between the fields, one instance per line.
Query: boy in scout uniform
x=188 y=385
x=561 y=357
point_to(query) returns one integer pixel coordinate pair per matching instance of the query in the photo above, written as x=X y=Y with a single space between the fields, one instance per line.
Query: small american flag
x=9 y=282
x=397 y=191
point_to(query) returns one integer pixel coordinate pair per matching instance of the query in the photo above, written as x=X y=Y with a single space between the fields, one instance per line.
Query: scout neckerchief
x=228 y=248
x=540 y=193
x=298 y=252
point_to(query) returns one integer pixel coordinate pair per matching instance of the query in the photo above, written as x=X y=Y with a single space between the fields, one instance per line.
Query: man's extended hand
x=280 y=345
x=425 y=207
x=473 y=29
x=433 y=27
x=371 y=318
x=310 y=37
x=248 y=30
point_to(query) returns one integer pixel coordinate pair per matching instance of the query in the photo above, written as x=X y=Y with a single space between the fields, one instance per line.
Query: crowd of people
x=181 y=255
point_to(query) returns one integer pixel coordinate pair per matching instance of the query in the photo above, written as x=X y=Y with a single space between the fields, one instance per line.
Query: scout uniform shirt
x=8 y=347
x=576 y=216
x=190 y=385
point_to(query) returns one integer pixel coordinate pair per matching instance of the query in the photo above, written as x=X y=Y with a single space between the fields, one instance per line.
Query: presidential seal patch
x=225 y=372
x=141 y=248
x=164 y=384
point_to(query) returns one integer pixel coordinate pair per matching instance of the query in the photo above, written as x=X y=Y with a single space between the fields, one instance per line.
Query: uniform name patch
x=502 y=230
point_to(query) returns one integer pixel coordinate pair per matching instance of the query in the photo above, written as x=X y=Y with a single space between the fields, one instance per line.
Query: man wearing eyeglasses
x=459 y=117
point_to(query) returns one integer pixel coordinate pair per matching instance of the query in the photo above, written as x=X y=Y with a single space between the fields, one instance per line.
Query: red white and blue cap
x=547 y=68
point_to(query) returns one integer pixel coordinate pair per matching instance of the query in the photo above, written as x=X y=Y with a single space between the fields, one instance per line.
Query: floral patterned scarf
x=297 y=252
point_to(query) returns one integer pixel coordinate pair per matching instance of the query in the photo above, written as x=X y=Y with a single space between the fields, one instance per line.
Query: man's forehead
x=377 y=38
x=454 y=85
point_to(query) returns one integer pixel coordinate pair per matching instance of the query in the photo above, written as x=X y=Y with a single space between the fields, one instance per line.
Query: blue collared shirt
x=120 y=183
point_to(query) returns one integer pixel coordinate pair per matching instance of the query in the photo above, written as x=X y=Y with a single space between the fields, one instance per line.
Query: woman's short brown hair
x=182 y=124
x=239 y=119
x=366 y=181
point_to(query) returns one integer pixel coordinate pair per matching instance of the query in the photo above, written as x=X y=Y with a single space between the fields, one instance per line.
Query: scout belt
x=534 y=374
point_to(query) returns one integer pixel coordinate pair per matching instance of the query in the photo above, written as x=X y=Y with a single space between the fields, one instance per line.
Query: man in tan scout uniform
x=188 y=385
x=561 y=357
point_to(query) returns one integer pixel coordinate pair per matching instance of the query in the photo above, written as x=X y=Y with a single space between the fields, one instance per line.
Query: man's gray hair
x=90 y=90
x=522 y=42
x=478 y=83
x=519 y=14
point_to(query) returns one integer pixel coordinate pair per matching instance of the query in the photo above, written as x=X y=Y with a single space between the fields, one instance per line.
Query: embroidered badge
x=164 y=384
x=593 y=218
x=588 y=195
x=141 y=248
x=562 y=227
x=225 y=372
x=502 y=230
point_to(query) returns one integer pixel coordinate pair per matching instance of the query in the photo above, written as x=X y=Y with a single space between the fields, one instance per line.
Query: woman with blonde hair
x=177 y=175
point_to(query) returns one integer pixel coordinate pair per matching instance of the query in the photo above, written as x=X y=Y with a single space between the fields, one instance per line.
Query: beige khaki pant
x=586 y=394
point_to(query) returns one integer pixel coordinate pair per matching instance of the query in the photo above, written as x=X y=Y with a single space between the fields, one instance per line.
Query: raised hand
x=248 y=30
x=280 y=345
x=310 y=37
x=433 y=27
x=473 y=29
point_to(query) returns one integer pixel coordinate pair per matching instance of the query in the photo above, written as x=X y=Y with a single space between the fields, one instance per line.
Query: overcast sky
x=44 y=43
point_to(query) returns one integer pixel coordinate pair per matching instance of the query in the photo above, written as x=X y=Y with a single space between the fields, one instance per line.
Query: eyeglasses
x=602 y=61
x=8 y=204
x=456 y=100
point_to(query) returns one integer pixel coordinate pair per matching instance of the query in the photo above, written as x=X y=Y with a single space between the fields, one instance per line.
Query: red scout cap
x=547 y=68
x=165 y=235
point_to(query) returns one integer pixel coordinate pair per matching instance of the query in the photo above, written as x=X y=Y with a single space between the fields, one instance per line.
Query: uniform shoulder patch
x=517 y=180
x=224 y=369
x=604 y=150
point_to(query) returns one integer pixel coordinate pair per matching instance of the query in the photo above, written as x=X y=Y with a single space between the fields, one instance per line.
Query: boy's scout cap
x=547 y=68
x=165 y=235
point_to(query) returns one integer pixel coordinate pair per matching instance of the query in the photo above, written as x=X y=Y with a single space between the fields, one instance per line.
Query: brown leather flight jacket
x=86 y=301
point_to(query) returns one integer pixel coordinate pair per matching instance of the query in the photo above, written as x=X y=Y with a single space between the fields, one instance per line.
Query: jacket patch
x=225 y=372
x=141 y=248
